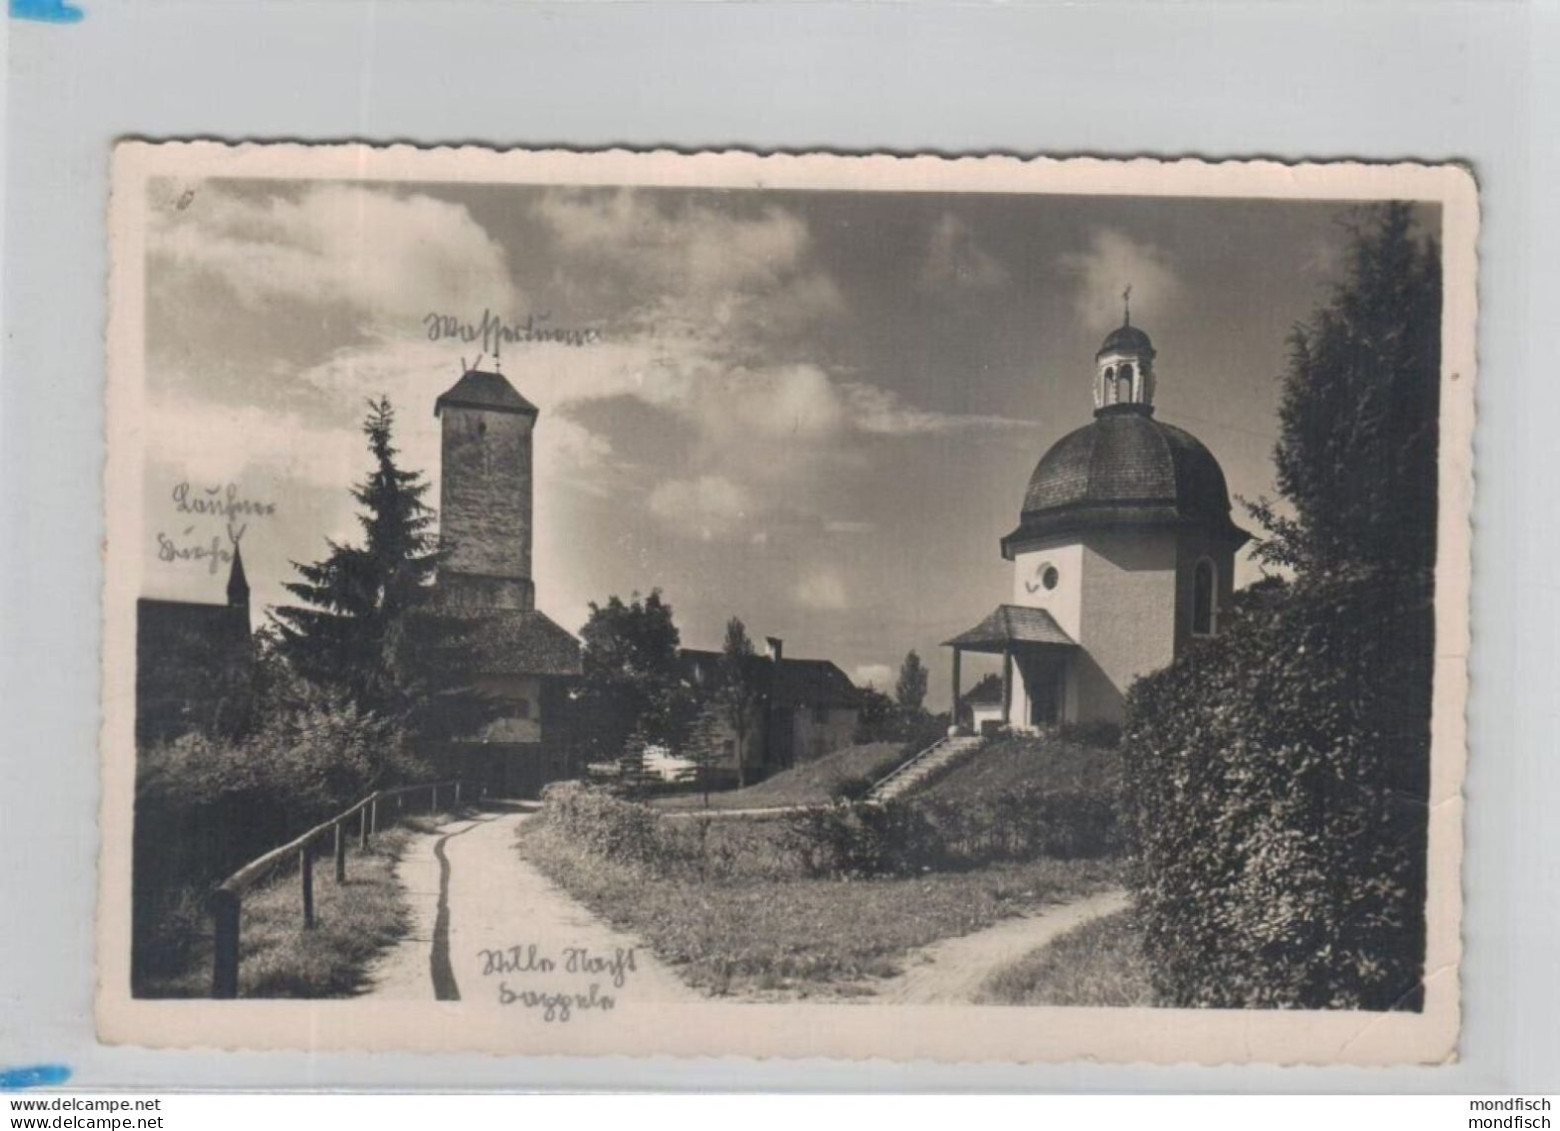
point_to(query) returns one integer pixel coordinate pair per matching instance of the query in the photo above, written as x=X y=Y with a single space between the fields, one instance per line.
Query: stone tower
x=485 y=516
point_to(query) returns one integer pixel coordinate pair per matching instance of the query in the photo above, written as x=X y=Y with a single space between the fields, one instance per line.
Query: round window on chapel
x=1049 y=577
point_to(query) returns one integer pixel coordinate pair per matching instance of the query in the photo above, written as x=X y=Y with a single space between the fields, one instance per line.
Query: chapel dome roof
x=1126 y=468
x=1126 y=338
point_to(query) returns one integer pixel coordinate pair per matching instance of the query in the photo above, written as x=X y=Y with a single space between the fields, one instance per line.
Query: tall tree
x=1356 y=458
x=631 y=679
x=346 y=632
x=740 y=696
x=910 y=690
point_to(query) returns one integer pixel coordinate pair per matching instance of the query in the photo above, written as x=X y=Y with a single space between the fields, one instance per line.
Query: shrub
x=856 y=840
x=205 y=806
x=593 y=821
x=1277 y=797
x=1029 y=822
x=601 y=823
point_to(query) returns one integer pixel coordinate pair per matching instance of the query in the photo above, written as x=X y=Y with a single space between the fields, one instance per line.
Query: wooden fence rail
x=227 y=901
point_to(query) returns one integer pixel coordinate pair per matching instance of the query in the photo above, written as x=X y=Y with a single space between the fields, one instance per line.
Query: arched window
x=1124 y=384
x=1204 y=599
x=1108 y=386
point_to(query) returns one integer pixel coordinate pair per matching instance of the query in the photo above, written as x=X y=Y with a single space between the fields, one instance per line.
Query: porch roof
x=1010 y=626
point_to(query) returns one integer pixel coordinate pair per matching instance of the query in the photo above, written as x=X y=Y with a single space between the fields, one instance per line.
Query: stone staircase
x=933 y=760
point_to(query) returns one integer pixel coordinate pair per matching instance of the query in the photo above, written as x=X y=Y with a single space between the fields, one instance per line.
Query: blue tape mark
x=47 y=11
x=37 y=1075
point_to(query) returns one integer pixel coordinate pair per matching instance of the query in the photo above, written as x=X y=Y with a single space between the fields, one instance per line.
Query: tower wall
x=485 y=516
x=1129 y=615
x=1191 y=547
x=1065 y=601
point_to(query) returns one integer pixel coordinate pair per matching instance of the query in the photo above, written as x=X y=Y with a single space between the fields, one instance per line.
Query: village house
x=806 y=708
x=1124 y=553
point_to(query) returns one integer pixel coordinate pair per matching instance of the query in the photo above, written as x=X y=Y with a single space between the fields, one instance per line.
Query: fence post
x=341 y=854
x=306 y=880
x=433 y=800
x=400 y=803
x=373 y=815
x=457 y=793
x=363 y=829
x=225 y=909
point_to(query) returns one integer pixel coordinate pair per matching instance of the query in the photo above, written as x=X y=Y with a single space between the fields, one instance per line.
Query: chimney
x=776 y=648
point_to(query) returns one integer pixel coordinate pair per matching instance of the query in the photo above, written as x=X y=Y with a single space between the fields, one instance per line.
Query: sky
x=814 y=410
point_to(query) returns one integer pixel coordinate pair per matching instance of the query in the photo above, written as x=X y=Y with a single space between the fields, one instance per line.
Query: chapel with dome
x=1123 y=553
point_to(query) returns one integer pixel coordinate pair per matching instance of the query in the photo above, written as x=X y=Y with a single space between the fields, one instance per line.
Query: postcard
x=960 y=609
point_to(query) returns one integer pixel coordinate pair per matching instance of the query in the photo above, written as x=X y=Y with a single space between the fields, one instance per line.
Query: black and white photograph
x=969 y=609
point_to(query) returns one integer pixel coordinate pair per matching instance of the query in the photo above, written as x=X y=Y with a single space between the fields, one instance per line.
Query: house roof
x=513 y=641
x=1010 y=625
x=491 y=392
x=982 y=694
x=159 y=621
x=810 y=682
x=524 y=642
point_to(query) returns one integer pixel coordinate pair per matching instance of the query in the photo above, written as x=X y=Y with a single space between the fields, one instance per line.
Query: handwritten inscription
x=557 y=1006
x=213 y=553
x=225 y=502
x=554 y=1002
x=491 y=330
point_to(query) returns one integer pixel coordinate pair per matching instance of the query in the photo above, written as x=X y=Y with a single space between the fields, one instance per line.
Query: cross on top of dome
x=1127 y=339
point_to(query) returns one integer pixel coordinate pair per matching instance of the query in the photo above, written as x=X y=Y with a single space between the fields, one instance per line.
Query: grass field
x=807 y=784
x=1007 y=765
x=789 y=938
x=1097 y=964
x=354 y=922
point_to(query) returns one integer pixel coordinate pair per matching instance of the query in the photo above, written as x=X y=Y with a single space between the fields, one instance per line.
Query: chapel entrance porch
x=1037 y=656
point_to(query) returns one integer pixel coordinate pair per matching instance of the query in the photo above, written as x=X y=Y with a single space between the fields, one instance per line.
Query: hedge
x=1277 y=797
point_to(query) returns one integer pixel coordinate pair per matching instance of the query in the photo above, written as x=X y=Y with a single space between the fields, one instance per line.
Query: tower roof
x=1127 y=338
x=1126 y=468
x=490 y=392
x=238 y=583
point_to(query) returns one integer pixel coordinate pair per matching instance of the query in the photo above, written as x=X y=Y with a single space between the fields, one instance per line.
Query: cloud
x=848 y=526
x=391 y=256
x=688 y=250
x=212 y=444
x=706 y=506
x=880 y=676
x=1113 y=262
x=882 y=412
x=710 y=312
x=956 y=262
x=821 y=589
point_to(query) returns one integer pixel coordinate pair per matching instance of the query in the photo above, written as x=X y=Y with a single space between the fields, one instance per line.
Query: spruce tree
x=349 y=632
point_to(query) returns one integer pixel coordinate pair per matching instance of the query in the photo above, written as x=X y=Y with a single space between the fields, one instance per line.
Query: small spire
x=238 y=584
x=1126 y=306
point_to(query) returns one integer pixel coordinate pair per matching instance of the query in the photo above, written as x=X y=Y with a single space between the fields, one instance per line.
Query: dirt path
x=484 y=921
x=953 y=970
